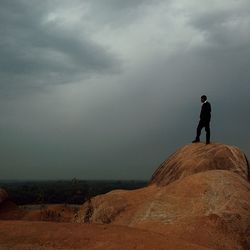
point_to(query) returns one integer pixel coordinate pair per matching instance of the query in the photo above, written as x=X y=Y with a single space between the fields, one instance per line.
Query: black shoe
x=194 y=141
x=208 y=142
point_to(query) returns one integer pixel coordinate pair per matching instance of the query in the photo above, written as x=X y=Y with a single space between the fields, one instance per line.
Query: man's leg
x=207 y=129
x=198 y=131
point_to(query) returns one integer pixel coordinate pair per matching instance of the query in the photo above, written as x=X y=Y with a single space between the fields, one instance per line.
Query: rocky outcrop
x=116 y=207
x=200 y=194
x=210 y=208
x=199 y=157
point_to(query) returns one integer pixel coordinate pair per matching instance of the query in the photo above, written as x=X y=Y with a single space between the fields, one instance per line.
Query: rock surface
x=210 y=208
x=199 y=157
x=200 y=194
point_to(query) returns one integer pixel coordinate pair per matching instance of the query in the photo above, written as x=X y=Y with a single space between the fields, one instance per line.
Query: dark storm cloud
x=225 y=28
x=35 y=51
x=225 y=54
x=120 y=126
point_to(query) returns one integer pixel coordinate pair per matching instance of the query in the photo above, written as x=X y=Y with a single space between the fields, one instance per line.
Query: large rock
x=199 y=157
x=210 y=208
x=116 y=207
x=200 y=194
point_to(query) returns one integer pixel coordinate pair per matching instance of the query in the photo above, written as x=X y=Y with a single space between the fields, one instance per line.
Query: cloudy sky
x=107 y=89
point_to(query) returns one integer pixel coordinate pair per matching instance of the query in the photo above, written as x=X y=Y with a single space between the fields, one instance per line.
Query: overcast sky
x=107 y=89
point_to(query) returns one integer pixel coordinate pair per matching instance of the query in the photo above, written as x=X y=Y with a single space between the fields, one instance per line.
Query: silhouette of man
x=205 y=117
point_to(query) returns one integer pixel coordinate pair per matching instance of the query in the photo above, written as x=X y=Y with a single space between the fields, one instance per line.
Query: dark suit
x=205 y=117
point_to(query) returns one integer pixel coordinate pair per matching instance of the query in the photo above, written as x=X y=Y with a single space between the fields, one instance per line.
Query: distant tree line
x=63 y=191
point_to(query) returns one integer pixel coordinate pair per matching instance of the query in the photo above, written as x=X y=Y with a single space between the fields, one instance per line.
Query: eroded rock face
x=199 y=157
x=213 y=205
x=116 y=207
x=200 y=194
x=211 y=209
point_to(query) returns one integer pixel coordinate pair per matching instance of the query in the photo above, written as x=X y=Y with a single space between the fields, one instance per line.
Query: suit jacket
x=205 y=114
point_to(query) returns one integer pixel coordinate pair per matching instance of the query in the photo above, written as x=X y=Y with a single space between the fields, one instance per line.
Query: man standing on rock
x=205 y=117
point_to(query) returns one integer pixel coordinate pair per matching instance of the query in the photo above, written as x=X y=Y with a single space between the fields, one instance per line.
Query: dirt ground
x=30 y=235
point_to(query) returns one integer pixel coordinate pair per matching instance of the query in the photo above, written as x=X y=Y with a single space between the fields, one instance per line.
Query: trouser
x=207 y=129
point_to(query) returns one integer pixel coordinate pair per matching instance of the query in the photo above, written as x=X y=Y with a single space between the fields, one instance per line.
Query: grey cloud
x=225 y=28
x=123 y=125
x=119 y=13
x=37 y=52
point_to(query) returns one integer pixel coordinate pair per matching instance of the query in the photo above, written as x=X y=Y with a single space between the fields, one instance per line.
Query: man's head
x=203 y=98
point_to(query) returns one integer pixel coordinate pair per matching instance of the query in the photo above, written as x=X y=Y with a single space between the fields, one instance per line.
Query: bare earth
x=51 y=235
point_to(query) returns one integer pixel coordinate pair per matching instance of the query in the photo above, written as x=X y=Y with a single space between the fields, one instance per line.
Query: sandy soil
x=27 y=235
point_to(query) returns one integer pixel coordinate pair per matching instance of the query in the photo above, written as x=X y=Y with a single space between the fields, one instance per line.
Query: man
x=205 y=117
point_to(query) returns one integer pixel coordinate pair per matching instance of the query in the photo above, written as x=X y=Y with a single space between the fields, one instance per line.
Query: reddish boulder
x=199 y=157
x=200 y=194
